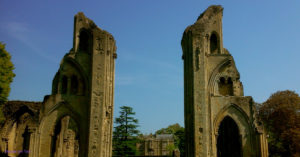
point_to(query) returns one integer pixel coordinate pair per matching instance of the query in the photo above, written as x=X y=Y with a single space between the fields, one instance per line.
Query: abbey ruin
x=76 y=120
x=219 y=119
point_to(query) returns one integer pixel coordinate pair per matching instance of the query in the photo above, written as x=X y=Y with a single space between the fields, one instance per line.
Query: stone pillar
x=69 y=86
x=234 y=86
x=216 y=87
x=63 y=134
x=31 y=130
x=70 y=143
x=11 y=141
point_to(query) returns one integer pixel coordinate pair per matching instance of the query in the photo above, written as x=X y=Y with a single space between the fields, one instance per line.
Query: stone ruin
x=76 y=119
x=219 y=119
x=82 y=90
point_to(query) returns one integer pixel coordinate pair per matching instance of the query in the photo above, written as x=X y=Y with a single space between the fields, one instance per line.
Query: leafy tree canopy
x=180 y=140
x=179 y=136
x=171 y=129
x=170 y=148
x=281 y=117
x=125 y=133
x=6 y=77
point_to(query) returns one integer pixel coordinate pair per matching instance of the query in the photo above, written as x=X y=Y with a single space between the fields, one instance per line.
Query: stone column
x=63 y=134
x=70 y=144
x=69 y=86
x=31 y=130
x=234 y=85
x=216 y=87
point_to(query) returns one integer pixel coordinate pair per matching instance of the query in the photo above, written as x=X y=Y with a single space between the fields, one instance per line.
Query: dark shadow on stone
x=228 y=142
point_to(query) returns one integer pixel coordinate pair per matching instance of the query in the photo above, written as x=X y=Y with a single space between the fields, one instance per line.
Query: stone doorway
x=229 y=139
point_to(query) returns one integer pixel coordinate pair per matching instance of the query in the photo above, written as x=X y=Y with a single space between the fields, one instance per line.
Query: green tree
x=170 y=148
x=165 y=131
x=6 y=77
x=125 y=133
x=180 y=143
x=281 y=116
x=171 y=129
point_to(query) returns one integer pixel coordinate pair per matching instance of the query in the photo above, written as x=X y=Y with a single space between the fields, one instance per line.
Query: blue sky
x=262 y=36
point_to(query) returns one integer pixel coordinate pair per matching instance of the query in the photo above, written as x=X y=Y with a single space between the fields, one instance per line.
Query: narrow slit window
x=83 y=41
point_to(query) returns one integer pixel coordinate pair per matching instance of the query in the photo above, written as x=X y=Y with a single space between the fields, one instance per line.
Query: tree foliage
x=179 y=136
x=171 y=129
x=170 y=148
x=6 y=77
x=281 y=117
x=125 y=133
x=180 y=143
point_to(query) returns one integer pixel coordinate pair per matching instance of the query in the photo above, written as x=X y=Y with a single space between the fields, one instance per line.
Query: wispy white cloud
x=22 y=32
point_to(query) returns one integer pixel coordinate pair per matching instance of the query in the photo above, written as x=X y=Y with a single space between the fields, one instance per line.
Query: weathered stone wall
x=14 y=133
x=82 y=89
x=213 y=91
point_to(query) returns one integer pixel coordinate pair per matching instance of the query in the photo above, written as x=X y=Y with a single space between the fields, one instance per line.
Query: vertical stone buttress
x=102 y=50
x=197 y=111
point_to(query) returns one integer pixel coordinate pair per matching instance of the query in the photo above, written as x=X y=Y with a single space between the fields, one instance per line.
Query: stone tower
x=219 y=119
x=82 y=89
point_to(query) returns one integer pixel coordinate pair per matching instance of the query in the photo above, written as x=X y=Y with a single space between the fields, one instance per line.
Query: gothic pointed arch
x=214 y=43
x=14 y=117
x=214 y=76
x=13 y=133
x=64 y=135
x=239 y=116
x=83 y=45
x=85 y=40
x=221 y=115
x=82 y=75
x=70 y=111
x=62 y=77
x=229 y=138
x=53 y=117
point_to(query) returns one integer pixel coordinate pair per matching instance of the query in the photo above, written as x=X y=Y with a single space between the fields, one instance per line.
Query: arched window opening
x=55 y=140
x=64 y=85
x=225 y=87
x=83 y=41
x=229 y=139
x=214 y=45
x=26 y=142
x=65 y=139
x=74 y=85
